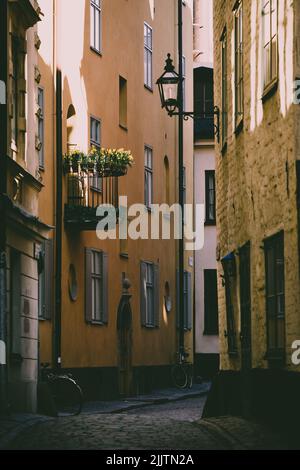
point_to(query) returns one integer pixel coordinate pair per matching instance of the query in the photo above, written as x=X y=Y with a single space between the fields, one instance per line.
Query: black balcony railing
x=85 y=192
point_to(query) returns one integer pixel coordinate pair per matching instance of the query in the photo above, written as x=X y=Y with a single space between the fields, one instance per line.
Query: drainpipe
x=181 y=188
x=58 y=223
x=3 y=191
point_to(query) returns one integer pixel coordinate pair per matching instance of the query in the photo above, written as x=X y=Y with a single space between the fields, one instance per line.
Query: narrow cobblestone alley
x=176 y=425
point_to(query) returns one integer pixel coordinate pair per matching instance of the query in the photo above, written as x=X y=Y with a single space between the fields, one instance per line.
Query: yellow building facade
x=22 y=228
x=111 y=316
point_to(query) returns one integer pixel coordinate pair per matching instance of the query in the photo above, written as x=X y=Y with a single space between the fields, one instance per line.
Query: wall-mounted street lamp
x=168 y=85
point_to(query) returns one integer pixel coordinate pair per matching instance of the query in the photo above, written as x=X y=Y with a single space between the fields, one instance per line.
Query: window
x=147 y=56
x=96 y=182
x=211 y=326
x=148 y=177
x=149 y=295
x=238 y=65
x=204 y=103
x=95 y=25
x=210 y=197
x=123 y=102
x=183 y=83
x=188 y=301
x=204 y=97
x=14 y=81
x=270 y=39
x=229 y=268
x=96 y=293
x=224 y=89
x=15 y=303
x=45 y=280
x=275 y=295
x=41 y=127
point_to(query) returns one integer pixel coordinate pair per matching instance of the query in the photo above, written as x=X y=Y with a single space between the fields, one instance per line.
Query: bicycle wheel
x=179 y=376
x=67 y=396
x=190 y=379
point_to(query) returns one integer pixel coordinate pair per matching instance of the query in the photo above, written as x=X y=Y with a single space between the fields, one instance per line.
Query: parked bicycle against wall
x=61 y=394
x=182 y=371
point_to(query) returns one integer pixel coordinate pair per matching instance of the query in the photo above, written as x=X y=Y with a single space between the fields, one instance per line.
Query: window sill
x=270 y=90
x=124 y=128
x=150 y=327
x=239 y=127
x=210 y=223
x=97 y=323
x=148 y=88
x=99 y=53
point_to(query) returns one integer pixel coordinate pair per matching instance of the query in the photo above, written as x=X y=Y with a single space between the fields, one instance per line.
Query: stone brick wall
x=256 y=177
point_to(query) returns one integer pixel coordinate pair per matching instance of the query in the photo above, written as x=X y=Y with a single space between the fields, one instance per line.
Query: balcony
x=85 y=192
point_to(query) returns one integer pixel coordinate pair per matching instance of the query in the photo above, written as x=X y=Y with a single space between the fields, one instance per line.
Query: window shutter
x=105 y=286
x=156 y=295
x=177 y=298
x=48 y=279
x=88 y=284
x=143 y=293
x=189 y=301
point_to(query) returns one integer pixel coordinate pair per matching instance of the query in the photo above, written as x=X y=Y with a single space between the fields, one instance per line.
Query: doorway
x=124 y=327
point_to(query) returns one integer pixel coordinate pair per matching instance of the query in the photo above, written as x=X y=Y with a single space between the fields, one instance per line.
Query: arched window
x=71 y=128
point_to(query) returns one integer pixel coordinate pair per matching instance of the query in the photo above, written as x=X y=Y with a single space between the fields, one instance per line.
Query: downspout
x=3 y=190
x=58 y=222
x=181 y=188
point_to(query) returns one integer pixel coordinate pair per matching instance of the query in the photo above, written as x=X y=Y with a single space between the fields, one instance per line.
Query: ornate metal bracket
x=190 y=114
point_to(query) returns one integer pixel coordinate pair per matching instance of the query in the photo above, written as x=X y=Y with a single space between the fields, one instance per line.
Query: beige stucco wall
x=256 y=183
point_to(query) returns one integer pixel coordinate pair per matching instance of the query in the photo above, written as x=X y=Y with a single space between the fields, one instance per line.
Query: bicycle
x=61 y=393
x=182 y=372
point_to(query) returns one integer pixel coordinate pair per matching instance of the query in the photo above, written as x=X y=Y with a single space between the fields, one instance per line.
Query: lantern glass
x=170 y=92
x=168 y=87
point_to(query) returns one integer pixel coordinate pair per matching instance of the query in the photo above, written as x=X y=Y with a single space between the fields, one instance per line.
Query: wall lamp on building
x=168 y=85
x=229 y=265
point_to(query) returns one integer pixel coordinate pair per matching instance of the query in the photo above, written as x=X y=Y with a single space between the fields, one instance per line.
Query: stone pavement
x=153 y=398
x=167 y=419
x=135 y=432
x=15 y=424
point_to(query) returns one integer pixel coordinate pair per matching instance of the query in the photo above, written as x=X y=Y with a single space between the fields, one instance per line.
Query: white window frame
x=148 y=190
x=41 y=126
x=238 y=64
x=224 y=88
x=96 y=182
x=97 y=279
x=148 y=56
x=269 y=81
x=96 y=21
x=150 y=295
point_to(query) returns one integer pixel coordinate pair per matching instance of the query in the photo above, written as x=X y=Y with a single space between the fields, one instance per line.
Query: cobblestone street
x=176 y=425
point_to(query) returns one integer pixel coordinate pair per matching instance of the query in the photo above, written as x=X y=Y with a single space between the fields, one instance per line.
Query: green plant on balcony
x=104 y=162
